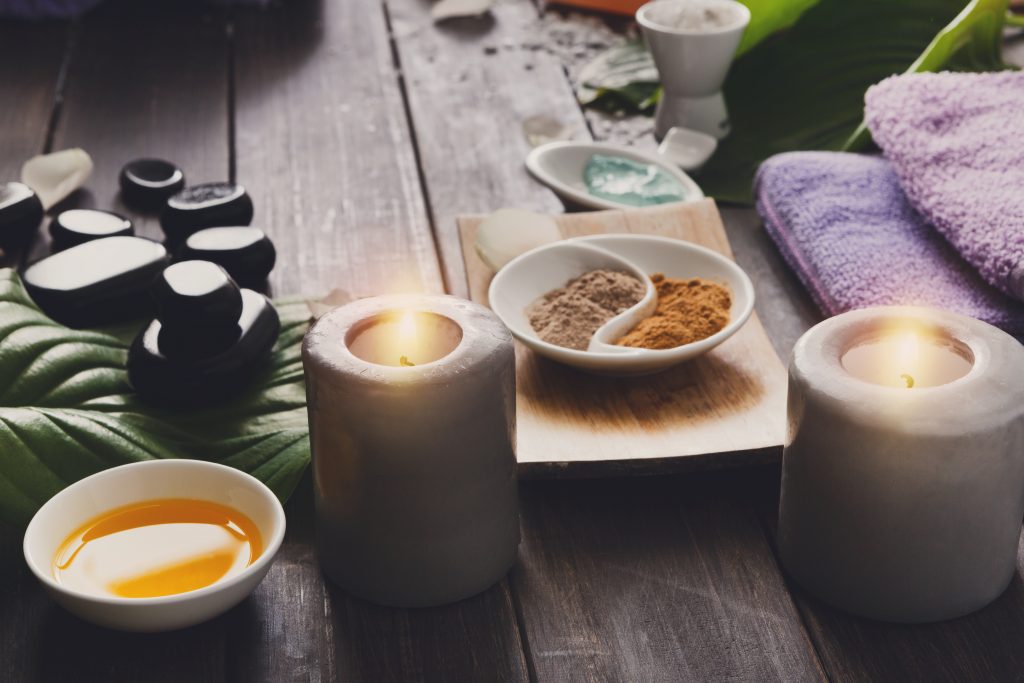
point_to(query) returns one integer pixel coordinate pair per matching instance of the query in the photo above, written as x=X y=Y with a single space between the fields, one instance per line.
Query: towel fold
x=844 y=225
x=956 y=141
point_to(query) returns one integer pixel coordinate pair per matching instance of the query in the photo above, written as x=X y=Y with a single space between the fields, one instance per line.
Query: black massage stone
x=188 y=344
x=166 y=381
x=205 y=206
x=148 y=183
x=98 y=282
x=197 y=294
x=20 y=214
x=245 y=252
x=77 y=226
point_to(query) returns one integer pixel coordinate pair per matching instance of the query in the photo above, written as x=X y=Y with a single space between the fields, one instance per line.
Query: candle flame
x=407 y=326
x=408 y=337
x=908 y=356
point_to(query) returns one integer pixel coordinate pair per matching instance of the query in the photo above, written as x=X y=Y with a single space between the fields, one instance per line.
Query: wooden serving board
x=725 y=408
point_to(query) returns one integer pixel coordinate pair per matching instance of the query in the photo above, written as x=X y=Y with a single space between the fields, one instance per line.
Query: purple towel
x=844 y=225
x=956 y=141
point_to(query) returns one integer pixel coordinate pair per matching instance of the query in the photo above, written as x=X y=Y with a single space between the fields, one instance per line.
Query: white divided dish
x=559 y=165
x=153 y=479
x=541 y=270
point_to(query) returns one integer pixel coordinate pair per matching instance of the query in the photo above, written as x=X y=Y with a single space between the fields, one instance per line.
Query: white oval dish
x=559 y=165
x=148 y=480
x=539 y=271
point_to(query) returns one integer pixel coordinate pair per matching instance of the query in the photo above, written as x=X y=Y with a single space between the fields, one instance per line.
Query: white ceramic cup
x=692 y=66
x=135 y=483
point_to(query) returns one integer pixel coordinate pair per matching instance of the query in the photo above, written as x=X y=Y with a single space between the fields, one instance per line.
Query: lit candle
x=907 y=356
x=412 y=424
x=903 y=472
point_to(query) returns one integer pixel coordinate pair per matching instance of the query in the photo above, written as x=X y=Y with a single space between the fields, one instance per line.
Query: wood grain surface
x=125 y=94
x=471 y=84
x=655 y=579
x=323 y=144
x=363 y=129
x=131 y=93
x=29 y=95
x=725 y=407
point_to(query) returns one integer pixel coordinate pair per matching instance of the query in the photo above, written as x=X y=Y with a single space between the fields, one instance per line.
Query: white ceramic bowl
x=137 y=482
x=559 y=165
x=539 y=271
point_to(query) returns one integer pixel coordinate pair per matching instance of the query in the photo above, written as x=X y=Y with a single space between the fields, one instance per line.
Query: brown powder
x=687 y=311
x=569 y=316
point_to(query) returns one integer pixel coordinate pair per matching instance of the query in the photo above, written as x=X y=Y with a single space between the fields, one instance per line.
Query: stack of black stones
x=212 y=329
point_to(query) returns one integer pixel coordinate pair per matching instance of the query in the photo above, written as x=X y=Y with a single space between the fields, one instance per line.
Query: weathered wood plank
x=611 y=574
x=650 y=579
x=146 y=81
x=28 y=91
x=131 y=90
x=323 y=143
x=471 y=84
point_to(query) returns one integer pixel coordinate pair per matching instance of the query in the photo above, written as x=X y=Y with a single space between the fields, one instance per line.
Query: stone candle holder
x=903 y=491
x=412 y=423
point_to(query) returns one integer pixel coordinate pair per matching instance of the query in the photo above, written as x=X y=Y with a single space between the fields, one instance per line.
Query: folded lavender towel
x=844 y=225
x=956 y=141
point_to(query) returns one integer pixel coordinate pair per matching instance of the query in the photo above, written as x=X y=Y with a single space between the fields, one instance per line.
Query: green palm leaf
x=68 y=411
x=804 y=88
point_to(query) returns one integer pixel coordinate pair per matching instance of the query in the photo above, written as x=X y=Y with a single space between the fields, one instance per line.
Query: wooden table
x=361 y=131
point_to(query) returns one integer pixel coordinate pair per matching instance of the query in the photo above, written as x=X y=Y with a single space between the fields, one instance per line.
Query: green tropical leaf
x=804 y=88
x=622 y=78
x=768 y=17
x=68 y=411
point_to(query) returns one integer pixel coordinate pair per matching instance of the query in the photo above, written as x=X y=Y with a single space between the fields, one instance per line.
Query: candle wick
x=906 y=378
x=406 y=363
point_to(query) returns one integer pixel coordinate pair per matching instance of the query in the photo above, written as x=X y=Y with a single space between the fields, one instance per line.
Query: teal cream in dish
x=625 y=181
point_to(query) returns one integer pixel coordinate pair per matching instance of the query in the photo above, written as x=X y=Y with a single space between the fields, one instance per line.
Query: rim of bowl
x=730 y=328
x=636 y=353
x=556 y=183
x=643 y=20
x=265 y=558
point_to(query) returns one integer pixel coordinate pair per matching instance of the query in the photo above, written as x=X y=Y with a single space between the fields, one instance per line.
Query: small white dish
x=559 y=165
x=148 y=480
x=687 y=149
x=537 y=272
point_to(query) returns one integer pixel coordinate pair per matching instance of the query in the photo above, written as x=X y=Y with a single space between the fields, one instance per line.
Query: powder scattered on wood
x=570 y=315
x=688 y=311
